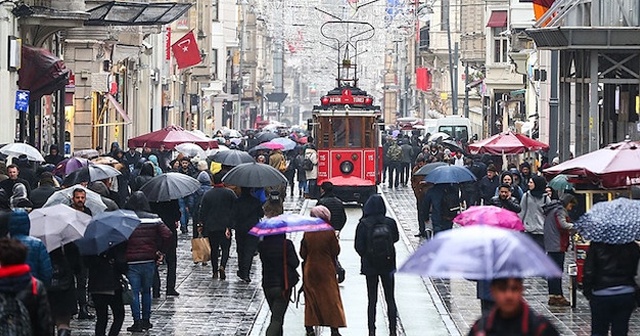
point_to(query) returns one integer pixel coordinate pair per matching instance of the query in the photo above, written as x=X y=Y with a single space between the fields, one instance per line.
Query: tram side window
x=355 y=132
x=339 y=128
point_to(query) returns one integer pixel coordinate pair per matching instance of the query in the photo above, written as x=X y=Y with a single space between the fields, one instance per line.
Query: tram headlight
x=346 y=167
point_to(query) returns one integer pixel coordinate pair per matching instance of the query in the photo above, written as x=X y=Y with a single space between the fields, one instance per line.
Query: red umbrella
x=615 y=166
x=507 y=143
x=170 y=137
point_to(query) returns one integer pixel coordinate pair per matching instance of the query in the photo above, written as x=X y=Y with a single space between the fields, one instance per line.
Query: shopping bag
x=200 y=249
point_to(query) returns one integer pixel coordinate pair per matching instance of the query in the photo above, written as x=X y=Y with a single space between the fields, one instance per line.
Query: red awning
x=498 y=19
x=116 y=105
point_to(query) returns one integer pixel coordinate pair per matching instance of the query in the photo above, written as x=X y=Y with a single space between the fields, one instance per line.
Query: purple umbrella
x=289 y=223
x=481 y=253
x=74 y=164
x=490 y=215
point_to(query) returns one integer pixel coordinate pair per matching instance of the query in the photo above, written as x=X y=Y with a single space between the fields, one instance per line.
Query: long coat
x=323 y=304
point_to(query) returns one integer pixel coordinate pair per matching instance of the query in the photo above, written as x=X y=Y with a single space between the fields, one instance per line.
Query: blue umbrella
x=481 y=253
x=286 y=142
x=288 y=223
x=450 y=174
x=107 y=229
x=615 y=222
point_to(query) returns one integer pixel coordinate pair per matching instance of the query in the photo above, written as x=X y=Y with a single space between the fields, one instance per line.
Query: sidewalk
x=459 y=296
x=416 y=310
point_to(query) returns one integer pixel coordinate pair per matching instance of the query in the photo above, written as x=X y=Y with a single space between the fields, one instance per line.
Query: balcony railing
x=592 y=13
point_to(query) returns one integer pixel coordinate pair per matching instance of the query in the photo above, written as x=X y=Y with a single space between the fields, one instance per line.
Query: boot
x=136 y=327
x=223 y=275
x=558 y=301
x=334 y=332
x=146 y=324
x=84 y=313
x=64 y=332
x=310 y=331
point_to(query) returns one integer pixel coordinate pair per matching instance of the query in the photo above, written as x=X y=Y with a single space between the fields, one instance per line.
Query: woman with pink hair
x=323 y=304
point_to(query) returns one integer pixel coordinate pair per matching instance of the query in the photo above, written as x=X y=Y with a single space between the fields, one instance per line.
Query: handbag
x=127 y=293
x=200 y=249
x=340 y=271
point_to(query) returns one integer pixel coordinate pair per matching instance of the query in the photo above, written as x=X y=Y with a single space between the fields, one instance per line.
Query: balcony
x=50 y=16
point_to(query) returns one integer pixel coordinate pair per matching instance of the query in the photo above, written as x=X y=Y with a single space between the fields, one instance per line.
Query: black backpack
x=307 y=164
x=14 y=316
x=450 y=206
x=380 y=243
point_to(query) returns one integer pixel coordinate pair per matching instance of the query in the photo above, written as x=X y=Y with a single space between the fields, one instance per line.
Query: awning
x=115 y=13
x=498 y=19
x=42 y=73
x=118 y=108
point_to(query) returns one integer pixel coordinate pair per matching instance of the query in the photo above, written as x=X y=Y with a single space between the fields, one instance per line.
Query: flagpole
x=236 y=121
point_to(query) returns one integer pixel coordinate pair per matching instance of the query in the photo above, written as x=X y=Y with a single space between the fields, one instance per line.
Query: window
x=339 y=128
x=214 y=10
x=214 y=63
x=355 y=132
x=500 y=45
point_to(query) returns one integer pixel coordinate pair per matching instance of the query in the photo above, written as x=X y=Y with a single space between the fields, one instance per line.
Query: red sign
x=168 y=45
x=423 y=79
x=186 y=51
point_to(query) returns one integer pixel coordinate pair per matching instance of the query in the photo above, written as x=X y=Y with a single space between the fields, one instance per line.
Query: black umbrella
x=169 y=186
x=254 y=175
x=429 y=167
x=452 y=145
x=232 y=157
x=266 y=136
x=77 y=177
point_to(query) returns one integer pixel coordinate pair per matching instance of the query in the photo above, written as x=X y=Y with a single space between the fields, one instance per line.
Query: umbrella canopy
x=74 y=164
x=267 y=146
x=560 y=182
x=190 y=149
x=429 y=167
x=452 y=145
x=614 y=222
x=107 y=160
x=58 y=225
x=230 y=133
x=232 y=157
x=170 y=137
x=254 y=175
x=265 y=136
x=99 y=172
x=450 y=174
x=288 y=223
x=17 y=149
x=77 y=177
x=106 y=230
x=214 y=151
x=439 y=136
x=507 y=143
x=169 y=186
x=287 y=143
x=481 y=253
x=65 y=197
x=86 y=153
x=491 y=216
x=199 y=134
x=615 y=166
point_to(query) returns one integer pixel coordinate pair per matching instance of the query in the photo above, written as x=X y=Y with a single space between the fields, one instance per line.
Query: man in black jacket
x=46 y=188
x=505 y=200
x=334 y=204
x=216 y=213
x=247 y=211
x=54 y=156
x=13 y=172
x=169 y=212
x=488 y=184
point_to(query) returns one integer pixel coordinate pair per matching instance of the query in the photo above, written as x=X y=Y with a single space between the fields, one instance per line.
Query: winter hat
x=321 y=212
x=202 y=165
x=203 y=177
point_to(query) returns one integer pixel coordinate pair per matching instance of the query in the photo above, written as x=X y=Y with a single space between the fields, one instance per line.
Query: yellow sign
x=444 y=95
x=590 y=122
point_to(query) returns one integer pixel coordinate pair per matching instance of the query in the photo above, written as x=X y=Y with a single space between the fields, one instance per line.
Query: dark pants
x=394 y=173
x=470 y=198
x=385 y=168
x=102 y=302
x=170 y=259
x=246 y=246
x=421 y=221
x=81 y=286
x=614 y=311
x=388 y=288
x=278 y=303
x=538 y=238
x=441 y=225
x=313 y=188
x=405 y=172
x=555 y=284
x=218 y=241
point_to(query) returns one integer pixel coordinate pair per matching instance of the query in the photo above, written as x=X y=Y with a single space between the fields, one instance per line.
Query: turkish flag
x=186 y=51
x=540 y=7
x=423 y=79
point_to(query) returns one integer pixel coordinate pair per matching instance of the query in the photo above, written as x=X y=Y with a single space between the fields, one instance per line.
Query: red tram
x=347 y=136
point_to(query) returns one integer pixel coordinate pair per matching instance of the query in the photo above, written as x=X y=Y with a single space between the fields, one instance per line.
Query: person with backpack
x=394 y=153
x=65 y=262
x=375 y=236
x=301 y=173
x=441 y=203
x=310 y=165
x=23 y=298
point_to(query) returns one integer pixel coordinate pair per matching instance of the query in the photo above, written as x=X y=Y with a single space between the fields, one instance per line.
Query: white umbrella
x=65 y=196
x=58 y=225
x=107 y=160
x=17 y=149
x=86 y=153
x=213 y=151
x=440 y=135
x=98 y=172
x=200 y=134
x=190 y=149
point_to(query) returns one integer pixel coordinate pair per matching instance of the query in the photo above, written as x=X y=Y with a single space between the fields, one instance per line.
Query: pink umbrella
x=271 y=146
x=490 y=215
x=507 y=143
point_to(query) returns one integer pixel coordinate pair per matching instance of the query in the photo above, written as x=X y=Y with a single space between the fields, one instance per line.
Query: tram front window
x=339 y=127
x=355 y=132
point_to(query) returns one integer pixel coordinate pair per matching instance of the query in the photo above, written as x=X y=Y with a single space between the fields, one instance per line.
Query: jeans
x=141 y=279
x=555 y=284
x=102 y=302
x=184 y=213
x=246 y=246
x=312 y=188
x=394 y=173
x=278 y=303
x=218 y=241
x=388 y=288
x=614 y=311
x=422 y=225
x=441 y=225
x=405 y=172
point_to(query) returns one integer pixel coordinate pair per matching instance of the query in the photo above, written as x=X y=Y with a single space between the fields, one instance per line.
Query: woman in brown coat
x=323 y=304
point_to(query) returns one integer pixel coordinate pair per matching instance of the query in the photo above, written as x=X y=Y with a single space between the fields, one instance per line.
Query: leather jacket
x=609 y=265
